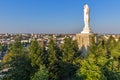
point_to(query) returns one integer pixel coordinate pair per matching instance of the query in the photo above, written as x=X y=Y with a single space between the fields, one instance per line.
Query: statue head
x=86 y=6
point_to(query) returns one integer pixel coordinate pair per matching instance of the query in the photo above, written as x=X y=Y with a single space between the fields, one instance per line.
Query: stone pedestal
x=83 y=40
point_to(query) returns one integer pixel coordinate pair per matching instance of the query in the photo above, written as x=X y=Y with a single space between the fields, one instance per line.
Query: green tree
x=17 y=47
x=69 y=50
x=41 y=74
x=53 y=51
x=110 y=45
x=35 y=53
x=19 y=68
x=89 y=70
x=1 y=48
x=19 y=64
x=104 y=53
x=38 y=56
x=54 y=56
x=97 y=45
x=69 y=53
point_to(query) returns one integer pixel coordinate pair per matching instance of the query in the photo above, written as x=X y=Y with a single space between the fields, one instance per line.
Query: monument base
x=83 y=40
x=83 y=32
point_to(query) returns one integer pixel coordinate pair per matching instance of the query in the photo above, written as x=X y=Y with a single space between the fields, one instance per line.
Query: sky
x=58 y=16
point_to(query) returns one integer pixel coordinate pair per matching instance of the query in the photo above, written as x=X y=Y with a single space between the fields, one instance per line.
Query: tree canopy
x=65 y=62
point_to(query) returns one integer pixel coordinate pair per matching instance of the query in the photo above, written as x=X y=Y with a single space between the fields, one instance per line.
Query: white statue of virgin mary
x=86 y=15
x=86 y=28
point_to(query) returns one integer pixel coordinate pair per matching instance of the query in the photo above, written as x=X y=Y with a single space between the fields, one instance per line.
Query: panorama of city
x=59 y=40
